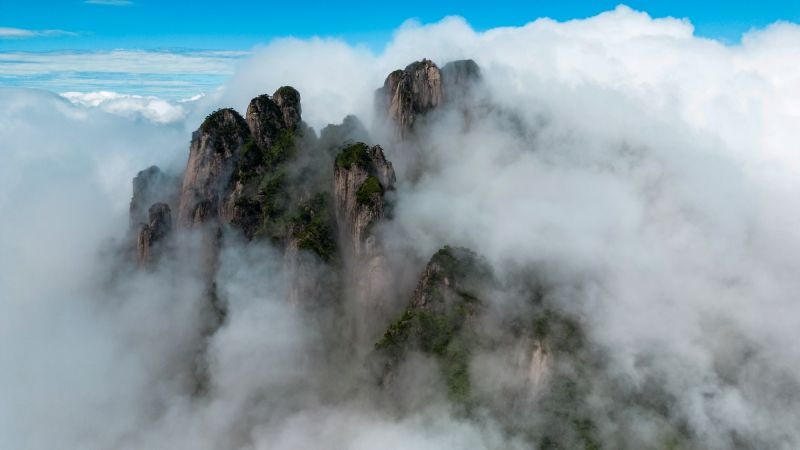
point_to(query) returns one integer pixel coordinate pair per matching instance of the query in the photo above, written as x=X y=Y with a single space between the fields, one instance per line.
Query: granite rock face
x=362 y=175
x=362 y=178
x=259 y=183
x=270 y=116
x=288 y=100
x=213 y=156
x=151 y=236
x=229 y=157
x=409 y=93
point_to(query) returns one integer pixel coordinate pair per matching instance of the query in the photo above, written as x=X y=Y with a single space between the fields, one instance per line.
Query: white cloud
x=21 y=33
x=658 y=166
x=125 y=61
x=149 y=107
x=167 y=74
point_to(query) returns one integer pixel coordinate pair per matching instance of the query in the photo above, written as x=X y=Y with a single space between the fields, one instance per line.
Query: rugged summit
x=408 y=94
x=259 y=196
x=270 y=117
x=213 y=155
x=233 y=174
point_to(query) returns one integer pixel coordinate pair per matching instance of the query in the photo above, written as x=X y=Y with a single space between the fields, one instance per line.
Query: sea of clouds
x=650 y=171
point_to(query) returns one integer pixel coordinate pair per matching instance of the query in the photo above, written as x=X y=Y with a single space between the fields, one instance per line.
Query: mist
x=643 y=175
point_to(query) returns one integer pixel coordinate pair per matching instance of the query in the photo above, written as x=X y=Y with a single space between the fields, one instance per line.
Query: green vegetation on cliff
x=435 y=321
x=227 y=128
x=563 y=332
x=282 y=149
x=354 y=154
x=312 y=227
x=287 y=91
x=265 y=187
x=273 y=186
x=570 y=419
x=366 y=193
x=437 y=334
x=255 y=161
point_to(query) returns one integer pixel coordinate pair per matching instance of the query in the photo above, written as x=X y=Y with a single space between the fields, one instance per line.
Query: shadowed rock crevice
x=150 y=241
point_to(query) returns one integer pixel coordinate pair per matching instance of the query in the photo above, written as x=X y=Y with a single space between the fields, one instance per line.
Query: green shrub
x=249 y=162
x=287 y=91
x=273 y=187
x=455 y=370
x=227 y=135
x=366 y=192
x=312 y=227
x=355 y=154
x=281 y=150
x=396 y=336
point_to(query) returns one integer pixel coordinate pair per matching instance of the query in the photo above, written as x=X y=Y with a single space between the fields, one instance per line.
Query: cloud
x=324 y=101
x=148 y=107
x=167 y=74
x=21 y=33
x=109 y=2
x=649 y=175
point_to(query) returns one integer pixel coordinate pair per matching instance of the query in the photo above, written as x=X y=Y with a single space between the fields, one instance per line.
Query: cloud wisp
x=170 y=75
x=149 y=107
x=21 y=33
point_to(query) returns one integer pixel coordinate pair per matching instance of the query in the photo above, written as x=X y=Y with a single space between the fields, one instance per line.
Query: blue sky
x=39 y=40
x=239 y=24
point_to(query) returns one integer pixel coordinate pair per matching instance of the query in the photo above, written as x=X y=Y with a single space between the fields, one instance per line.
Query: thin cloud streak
x=21 y=33
x=173 y=74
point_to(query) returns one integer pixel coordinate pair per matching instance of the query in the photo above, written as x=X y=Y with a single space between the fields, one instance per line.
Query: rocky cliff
x=260 y=184
x=152 y=235
x=214 y=153
x=362 y=179
x=268 y=117
x=320 y=201
x=362 y=176
x=408 y=95
x=535 y=355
